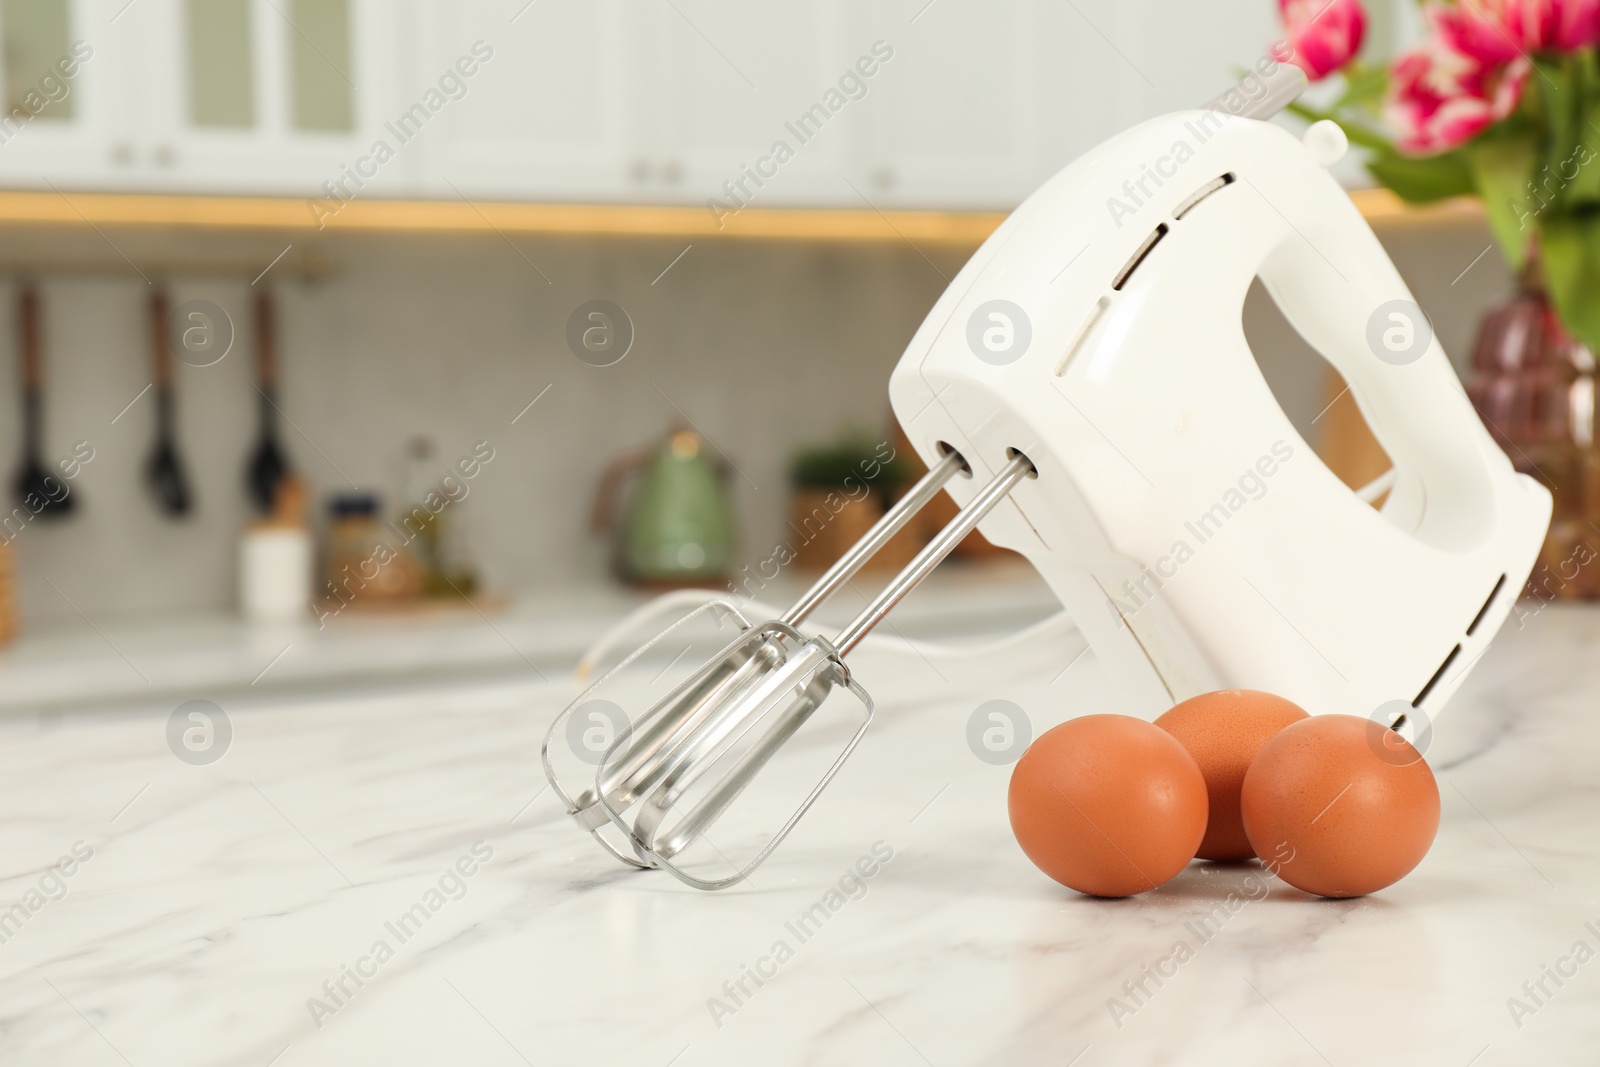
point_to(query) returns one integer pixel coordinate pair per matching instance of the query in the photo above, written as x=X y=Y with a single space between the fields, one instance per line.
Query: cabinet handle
x=640 y=171
x=166 y=155
x=883 y=178
x=122 y=154
x=671 y=172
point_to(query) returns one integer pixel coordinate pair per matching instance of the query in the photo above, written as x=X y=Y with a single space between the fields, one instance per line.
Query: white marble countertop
x=120 y=660
x=216 y=901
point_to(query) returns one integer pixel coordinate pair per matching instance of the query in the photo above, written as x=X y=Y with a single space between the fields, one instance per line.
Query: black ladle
x=268 y=466
x=164 y=472
x=39 y=491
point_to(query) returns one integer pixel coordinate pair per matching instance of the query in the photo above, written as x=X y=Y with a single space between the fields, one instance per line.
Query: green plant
x=853 y=457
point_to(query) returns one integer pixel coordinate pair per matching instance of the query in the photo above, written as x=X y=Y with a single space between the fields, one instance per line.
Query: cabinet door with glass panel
x=71 y=93
x=272 y=96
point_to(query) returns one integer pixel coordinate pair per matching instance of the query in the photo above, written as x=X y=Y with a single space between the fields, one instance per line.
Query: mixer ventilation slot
x=1201 y=193
x=1138 y=257
x=1423 y=693
x=1082 y=335
x=1476 y=619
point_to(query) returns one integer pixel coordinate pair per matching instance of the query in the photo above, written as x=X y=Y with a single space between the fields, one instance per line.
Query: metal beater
x=668 y=778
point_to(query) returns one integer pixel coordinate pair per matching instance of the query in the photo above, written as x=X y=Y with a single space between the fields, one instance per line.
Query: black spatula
x=164 y=472
x=41 y=492
x=268 y=466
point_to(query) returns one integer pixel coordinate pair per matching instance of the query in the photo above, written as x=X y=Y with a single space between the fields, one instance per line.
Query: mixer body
x=1186 y=525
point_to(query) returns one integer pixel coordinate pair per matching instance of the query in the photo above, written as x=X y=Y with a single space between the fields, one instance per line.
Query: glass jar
x=363 y=562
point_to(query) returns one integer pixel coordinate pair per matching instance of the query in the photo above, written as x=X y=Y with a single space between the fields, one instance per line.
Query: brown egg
x=1340 y=806
x=1108 y=805
x=1223 y=731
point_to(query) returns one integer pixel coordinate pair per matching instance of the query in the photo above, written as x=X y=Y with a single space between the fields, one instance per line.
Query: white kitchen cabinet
x=551 y=115
x=282 y=97
x=663 y=103
x=743 y=114
x=747 y=105
x=889 y=103
x=956 y=121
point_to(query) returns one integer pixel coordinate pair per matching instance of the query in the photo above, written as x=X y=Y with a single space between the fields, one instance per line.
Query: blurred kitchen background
x=537 y=155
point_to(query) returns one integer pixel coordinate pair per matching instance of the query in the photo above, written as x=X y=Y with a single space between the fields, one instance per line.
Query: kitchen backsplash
x=761 y=347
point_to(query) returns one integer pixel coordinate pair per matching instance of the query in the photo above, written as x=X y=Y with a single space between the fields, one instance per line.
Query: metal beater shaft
x=935 y=551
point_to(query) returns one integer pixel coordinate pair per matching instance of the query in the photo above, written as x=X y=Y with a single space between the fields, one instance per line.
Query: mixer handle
x=1338 y=289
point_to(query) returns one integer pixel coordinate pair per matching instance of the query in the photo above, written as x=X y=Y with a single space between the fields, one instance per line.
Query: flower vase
x=1533 y=385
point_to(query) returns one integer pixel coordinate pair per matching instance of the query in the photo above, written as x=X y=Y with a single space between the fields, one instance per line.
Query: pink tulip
x=1323 y=35
x=1576 y=25
x=1489 y=31
x=1499 y=31
x=1440 y=97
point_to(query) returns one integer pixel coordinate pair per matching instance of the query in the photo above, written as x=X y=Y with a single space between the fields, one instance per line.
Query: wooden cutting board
x=8 y=602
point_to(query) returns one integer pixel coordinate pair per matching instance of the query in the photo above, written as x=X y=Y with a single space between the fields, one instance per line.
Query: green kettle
x=676 y=526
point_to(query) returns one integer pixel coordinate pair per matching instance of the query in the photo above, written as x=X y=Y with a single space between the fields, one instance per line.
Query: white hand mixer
x=1085 y=391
